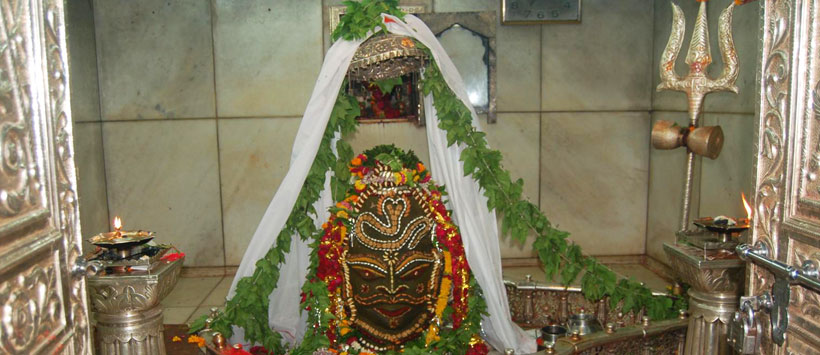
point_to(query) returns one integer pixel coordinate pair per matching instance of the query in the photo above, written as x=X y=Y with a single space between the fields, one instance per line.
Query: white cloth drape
x=477 y=224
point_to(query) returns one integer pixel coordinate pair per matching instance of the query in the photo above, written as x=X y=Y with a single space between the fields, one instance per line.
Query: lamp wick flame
x=117 y=223
x=746 y=206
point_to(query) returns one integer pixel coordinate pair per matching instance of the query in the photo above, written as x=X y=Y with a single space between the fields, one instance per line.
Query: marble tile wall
x=719 y=181
x=85 y=113
x=199 y=102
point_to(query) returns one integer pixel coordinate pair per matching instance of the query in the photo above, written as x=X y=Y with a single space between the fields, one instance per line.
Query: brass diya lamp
x=122 y=243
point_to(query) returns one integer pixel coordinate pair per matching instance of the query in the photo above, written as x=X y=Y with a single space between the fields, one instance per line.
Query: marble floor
x=195 y=296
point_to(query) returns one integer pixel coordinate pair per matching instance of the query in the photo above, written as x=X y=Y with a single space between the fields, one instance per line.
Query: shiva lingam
x=125 y=297
x=703 y=258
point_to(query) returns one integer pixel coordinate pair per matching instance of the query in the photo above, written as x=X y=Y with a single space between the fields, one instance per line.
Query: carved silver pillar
x=716 y=279
x=127 y=309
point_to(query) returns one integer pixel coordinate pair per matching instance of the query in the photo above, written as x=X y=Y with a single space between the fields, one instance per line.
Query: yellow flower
x=341 y=214
x=359 y=185
x=448 y=265
x=200 y=341
x=442 y=296
x=176 y=339
x=432 y=334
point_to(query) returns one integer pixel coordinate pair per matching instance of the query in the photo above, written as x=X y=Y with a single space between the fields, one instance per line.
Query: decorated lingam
x=393 y=260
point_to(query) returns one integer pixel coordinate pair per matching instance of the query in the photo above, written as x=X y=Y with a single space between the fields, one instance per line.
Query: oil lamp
x=119 y=241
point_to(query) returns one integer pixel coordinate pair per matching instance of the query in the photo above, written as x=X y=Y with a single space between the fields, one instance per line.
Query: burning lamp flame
x=746 y=206
x=117 y=223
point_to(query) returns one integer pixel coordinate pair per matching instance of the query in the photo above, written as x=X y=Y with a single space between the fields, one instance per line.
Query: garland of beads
x=366 y=174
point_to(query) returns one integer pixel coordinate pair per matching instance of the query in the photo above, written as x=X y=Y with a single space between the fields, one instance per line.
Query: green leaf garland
x=249 y=306
x=520 y=217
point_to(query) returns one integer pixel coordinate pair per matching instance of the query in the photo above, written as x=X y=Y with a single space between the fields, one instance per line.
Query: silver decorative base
x=127 y=309
x=130 y=333
x=716 y=278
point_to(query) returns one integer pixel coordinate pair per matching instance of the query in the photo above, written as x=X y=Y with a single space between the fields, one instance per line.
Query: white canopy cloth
x=476 y=222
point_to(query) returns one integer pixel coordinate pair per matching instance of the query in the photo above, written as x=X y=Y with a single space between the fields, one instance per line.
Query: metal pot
x=584 y=323
x=551 y=333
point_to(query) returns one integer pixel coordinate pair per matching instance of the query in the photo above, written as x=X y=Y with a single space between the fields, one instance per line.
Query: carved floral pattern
x=774 y=106
x=538 y=308
x=788 y=162
x=31 y=309
x=19 y=175
x=666 y=343
x=67 y=210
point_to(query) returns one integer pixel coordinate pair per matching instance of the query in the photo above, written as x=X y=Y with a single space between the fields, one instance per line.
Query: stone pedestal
x=127 y=310
x=716 y=279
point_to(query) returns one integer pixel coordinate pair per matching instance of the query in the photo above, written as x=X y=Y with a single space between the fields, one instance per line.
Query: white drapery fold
x=476 y=222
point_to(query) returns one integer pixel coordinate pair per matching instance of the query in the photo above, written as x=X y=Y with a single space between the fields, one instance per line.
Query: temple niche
x=188 y=117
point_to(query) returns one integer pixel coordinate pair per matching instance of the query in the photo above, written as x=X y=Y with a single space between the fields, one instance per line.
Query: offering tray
x=142 y=259
x=714 y=226
x=707 y=240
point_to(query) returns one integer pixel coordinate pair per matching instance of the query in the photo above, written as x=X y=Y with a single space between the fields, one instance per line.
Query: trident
x=704 y=141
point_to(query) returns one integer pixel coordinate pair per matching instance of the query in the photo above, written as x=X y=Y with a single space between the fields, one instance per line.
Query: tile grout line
x=101 y=121
x=540 y=113
x=200 y=304
x=298 y=116
x=218 y=149
x=650 y=112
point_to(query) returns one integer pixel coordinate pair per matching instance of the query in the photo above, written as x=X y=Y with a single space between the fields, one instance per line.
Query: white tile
x=268 y=56
x=745 y=34
x=466 y=5
x=518 y=67
x=163 y=177
x=641 y=274
x=517 y=135
x=601 y=64
x=88 y=159
x=724 y=178
x=217 y=297
x=190 y=291
x=199 y=311
x=254 y=155
x=176 y=315
x=155 y=58
x=594 y=176
x=85 y=93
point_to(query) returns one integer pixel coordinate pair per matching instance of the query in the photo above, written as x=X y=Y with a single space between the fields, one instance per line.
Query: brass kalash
x=125 y=294
x=704 y=257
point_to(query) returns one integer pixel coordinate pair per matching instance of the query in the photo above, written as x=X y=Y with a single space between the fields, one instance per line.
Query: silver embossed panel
x=787 y=187
x=43 y=307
